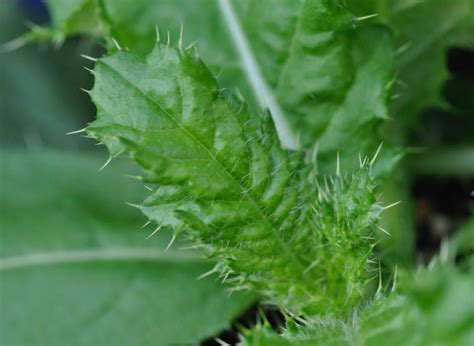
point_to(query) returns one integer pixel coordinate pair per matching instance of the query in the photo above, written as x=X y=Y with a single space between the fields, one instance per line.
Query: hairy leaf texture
x=433 y=307
x=328 y=74
x=221 y=176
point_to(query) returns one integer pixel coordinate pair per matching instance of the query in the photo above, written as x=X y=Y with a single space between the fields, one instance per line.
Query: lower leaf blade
x=75 y=267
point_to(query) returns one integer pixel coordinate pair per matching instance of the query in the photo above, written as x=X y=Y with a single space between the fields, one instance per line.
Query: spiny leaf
x=430 y=307
x=327 y=74
x=221 y=175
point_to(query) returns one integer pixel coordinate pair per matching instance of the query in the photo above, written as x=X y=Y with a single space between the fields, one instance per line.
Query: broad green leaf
x=332 y=80
x=308 y=61
x=77 y=269
x=433 y=308
x=352 y=128
x=220 y=174
x=424 y=30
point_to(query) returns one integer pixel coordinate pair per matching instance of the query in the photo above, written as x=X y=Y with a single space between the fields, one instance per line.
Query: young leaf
x=432 y=307
x=221 y=175
x=76 y=268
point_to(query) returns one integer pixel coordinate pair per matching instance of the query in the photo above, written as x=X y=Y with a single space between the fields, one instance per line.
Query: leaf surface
x=76 y=268
x=432 y=307
x=424 y=30
x=328 y=76
x=220 y=174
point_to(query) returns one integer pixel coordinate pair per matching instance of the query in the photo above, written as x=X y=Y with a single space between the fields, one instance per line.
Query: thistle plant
x=220 y=176
x=277 y=183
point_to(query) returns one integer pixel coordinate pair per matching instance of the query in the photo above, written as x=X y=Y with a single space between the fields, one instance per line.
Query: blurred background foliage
x=40 y=96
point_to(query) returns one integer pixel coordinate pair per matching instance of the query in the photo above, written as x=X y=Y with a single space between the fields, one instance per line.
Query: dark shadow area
x=247 y=320
x=442 y=205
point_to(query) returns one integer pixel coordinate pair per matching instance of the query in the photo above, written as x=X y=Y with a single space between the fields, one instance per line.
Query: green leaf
x=221 y=175
x=331 y=79
x=424 y=30
x=351 y=129
x=308 y=61
x=433 y=307
x=75 y=267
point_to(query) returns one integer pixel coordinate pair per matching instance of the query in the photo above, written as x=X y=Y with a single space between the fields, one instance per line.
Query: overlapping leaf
x=221 y=174
x=76 y=268
x=329 y=76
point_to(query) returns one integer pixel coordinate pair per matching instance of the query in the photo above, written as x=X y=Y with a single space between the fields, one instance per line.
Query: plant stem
x=263 y=93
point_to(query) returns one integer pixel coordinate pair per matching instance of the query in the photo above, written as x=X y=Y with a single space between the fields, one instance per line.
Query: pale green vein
x=97 y=255
x=250 y=67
